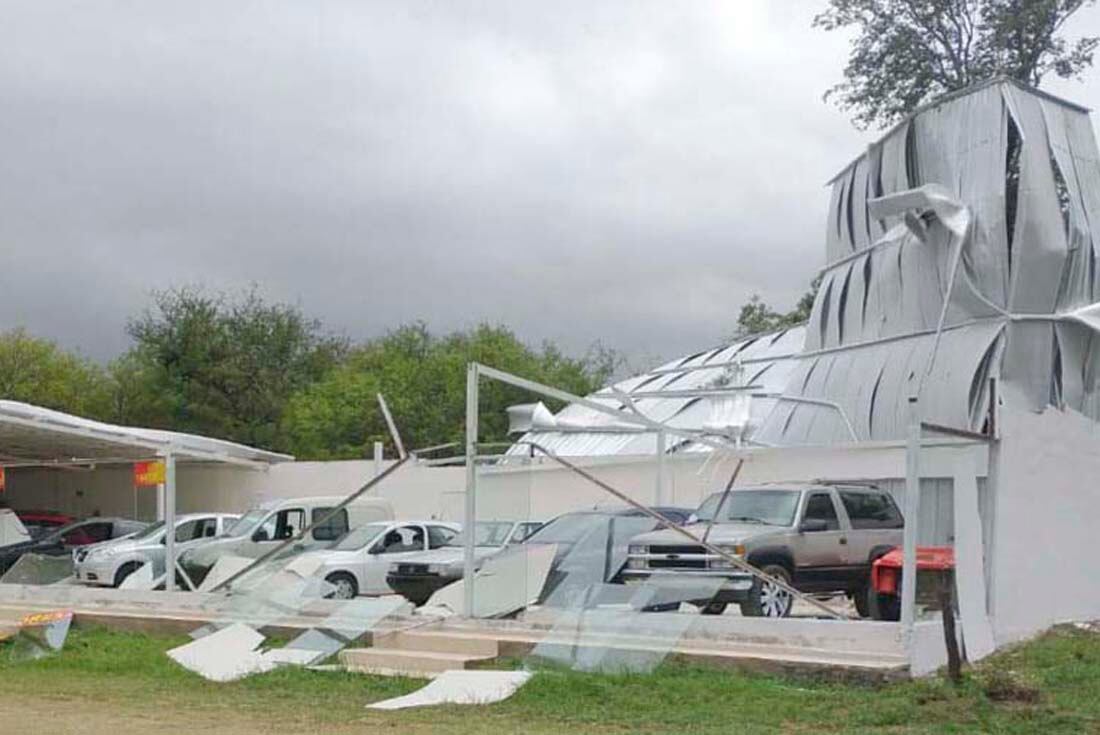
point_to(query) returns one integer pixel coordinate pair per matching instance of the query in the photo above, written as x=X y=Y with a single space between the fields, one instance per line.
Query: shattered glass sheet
x=40 y=634
x=39 y=569
x=607 y=627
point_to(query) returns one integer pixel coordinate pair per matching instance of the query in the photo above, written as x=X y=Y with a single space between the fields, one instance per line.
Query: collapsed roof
x=959 y=248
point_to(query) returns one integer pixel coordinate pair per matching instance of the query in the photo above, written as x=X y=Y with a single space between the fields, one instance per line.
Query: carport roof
x=35 y=435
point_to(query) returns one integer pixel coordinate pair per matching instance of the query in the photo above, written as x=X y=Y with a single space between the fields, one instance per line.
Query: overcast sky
x=623 y=172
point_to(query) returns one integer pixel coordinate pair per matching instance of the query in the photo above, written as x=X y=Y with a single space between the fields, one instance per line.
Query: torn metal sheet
x=460 y=687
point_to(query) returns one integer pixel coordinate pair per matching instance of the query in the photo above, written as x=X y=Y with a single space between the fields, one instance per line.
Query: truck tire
x=767 y=600
x=862 y=599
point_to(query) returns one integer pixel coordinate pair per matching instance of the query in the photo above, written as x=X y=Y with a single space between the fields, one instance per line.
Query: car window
x=819 y=507
x=400 y=539
x=871 y=510
x=523 y=530
x=440 y=536
x=89 y=533
x=774 y=507
x=331 y=529
x=186 y=531
x=280 y=526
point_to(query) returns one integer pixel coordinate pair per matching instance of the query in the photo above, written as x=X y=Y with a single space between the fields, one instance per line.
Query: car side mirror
x=260 y=535
x=813 y=525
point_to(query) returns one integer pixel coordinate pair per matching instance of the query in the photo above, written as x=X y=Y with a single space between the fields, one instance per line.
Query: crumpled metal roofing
x=972 y=219
x=960 y=248
x=765 y=361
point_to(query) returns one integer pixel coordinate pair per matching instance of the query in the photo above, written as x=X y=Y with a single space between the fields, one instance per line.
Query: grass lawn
x=118 y=682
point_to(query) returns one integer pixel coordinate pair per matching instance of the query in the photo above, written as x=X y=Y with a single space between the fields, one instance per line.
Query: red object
x=148 y=474
x=3 y=481
x=886 y=571
x=47 y=519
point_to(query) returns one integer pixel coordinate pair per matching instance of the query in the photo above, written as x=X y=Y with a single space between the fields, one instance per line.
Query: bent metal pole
x=736 y=561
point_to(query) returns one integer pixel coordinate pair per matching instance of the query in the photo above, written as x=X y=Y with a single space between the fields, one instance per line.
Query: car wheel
x=345 y=586
x=125 y=571
x=713 y=608
x=769 y=600
x=862 y=599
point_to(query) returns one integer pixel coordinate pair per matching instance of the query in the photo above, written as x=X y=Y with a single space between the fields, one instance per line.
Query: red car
x=41 y=522
x=886 y=577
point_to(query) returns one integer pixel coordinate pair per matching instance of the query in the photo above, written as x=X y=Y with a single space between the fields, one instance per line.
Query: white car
x=357 y=563
x=270 y=524
x=109 y=563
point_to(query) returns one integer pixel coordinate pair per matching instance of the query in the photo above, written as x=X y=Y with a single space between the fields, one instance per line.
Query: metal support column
x=160 y=501
x=659 y=495
x=912 y=518
x=169 y=521
x=377 y=459
x=471 y=489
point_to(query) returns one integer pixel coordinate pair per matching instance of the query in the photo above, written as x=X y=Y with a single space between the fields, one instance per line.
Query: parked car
x=358 y=562
x=592 y=544
x=818 y=538
x=418 y=576
x=41 y=522
x=67 y=538
x=269 y=524
x=109 y=563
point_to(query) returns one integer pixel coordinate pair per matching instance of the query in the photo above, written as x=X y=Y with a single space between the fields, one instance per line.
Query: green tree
x=423 y=377
x=905 y=52
x=221 y=366
x=756 y=317
x=37 y=371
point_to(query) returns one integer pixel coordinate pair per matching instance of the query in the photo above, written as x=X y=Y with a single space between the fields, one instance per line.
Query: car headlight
x=635 y=549
x=720 y=562
x=438 y=568
x=635 y=563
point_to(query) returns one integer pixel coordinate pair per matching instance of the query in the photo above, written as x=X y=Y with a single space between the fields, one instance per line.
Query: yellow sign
x=148 y=474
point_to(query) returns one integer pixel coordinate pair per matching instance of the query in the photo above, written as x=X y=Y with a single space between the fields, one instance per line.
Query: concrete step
x=436 y=641
x=388 y=661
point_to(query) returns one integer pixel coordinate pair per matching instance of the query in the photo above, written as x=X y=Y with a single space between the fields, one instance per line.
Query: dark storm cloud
x=625 y=172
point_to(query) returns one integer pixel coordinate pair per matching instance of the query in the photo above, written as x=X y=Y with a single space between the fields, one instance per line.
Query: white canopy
x=32 y=434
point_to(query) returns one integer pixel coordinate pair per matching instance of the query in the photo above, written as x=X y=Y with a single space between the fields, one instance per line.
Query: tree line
x=265 y=374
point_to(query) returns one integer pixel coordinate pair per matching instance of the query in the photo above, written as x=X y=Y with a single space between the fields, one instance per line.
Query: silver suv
x=819 y=538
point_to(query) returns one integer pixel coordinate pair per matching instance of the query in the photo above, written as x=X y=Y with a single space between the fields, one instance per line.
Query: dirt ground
x=24 y=714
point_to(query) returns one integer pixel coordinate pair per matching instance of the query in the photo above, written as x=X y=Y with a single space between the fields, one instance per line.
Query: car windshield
x=247 y=522
x=568 y=529
x=149 y=532
x=59 y=534
x=770 y=507
x=357 y=538
x=489 y=533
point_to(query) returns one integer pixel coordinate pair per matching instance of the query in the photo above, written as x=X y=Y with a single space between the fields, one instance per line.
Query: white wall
x=414 y=490
x=1046 y=517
